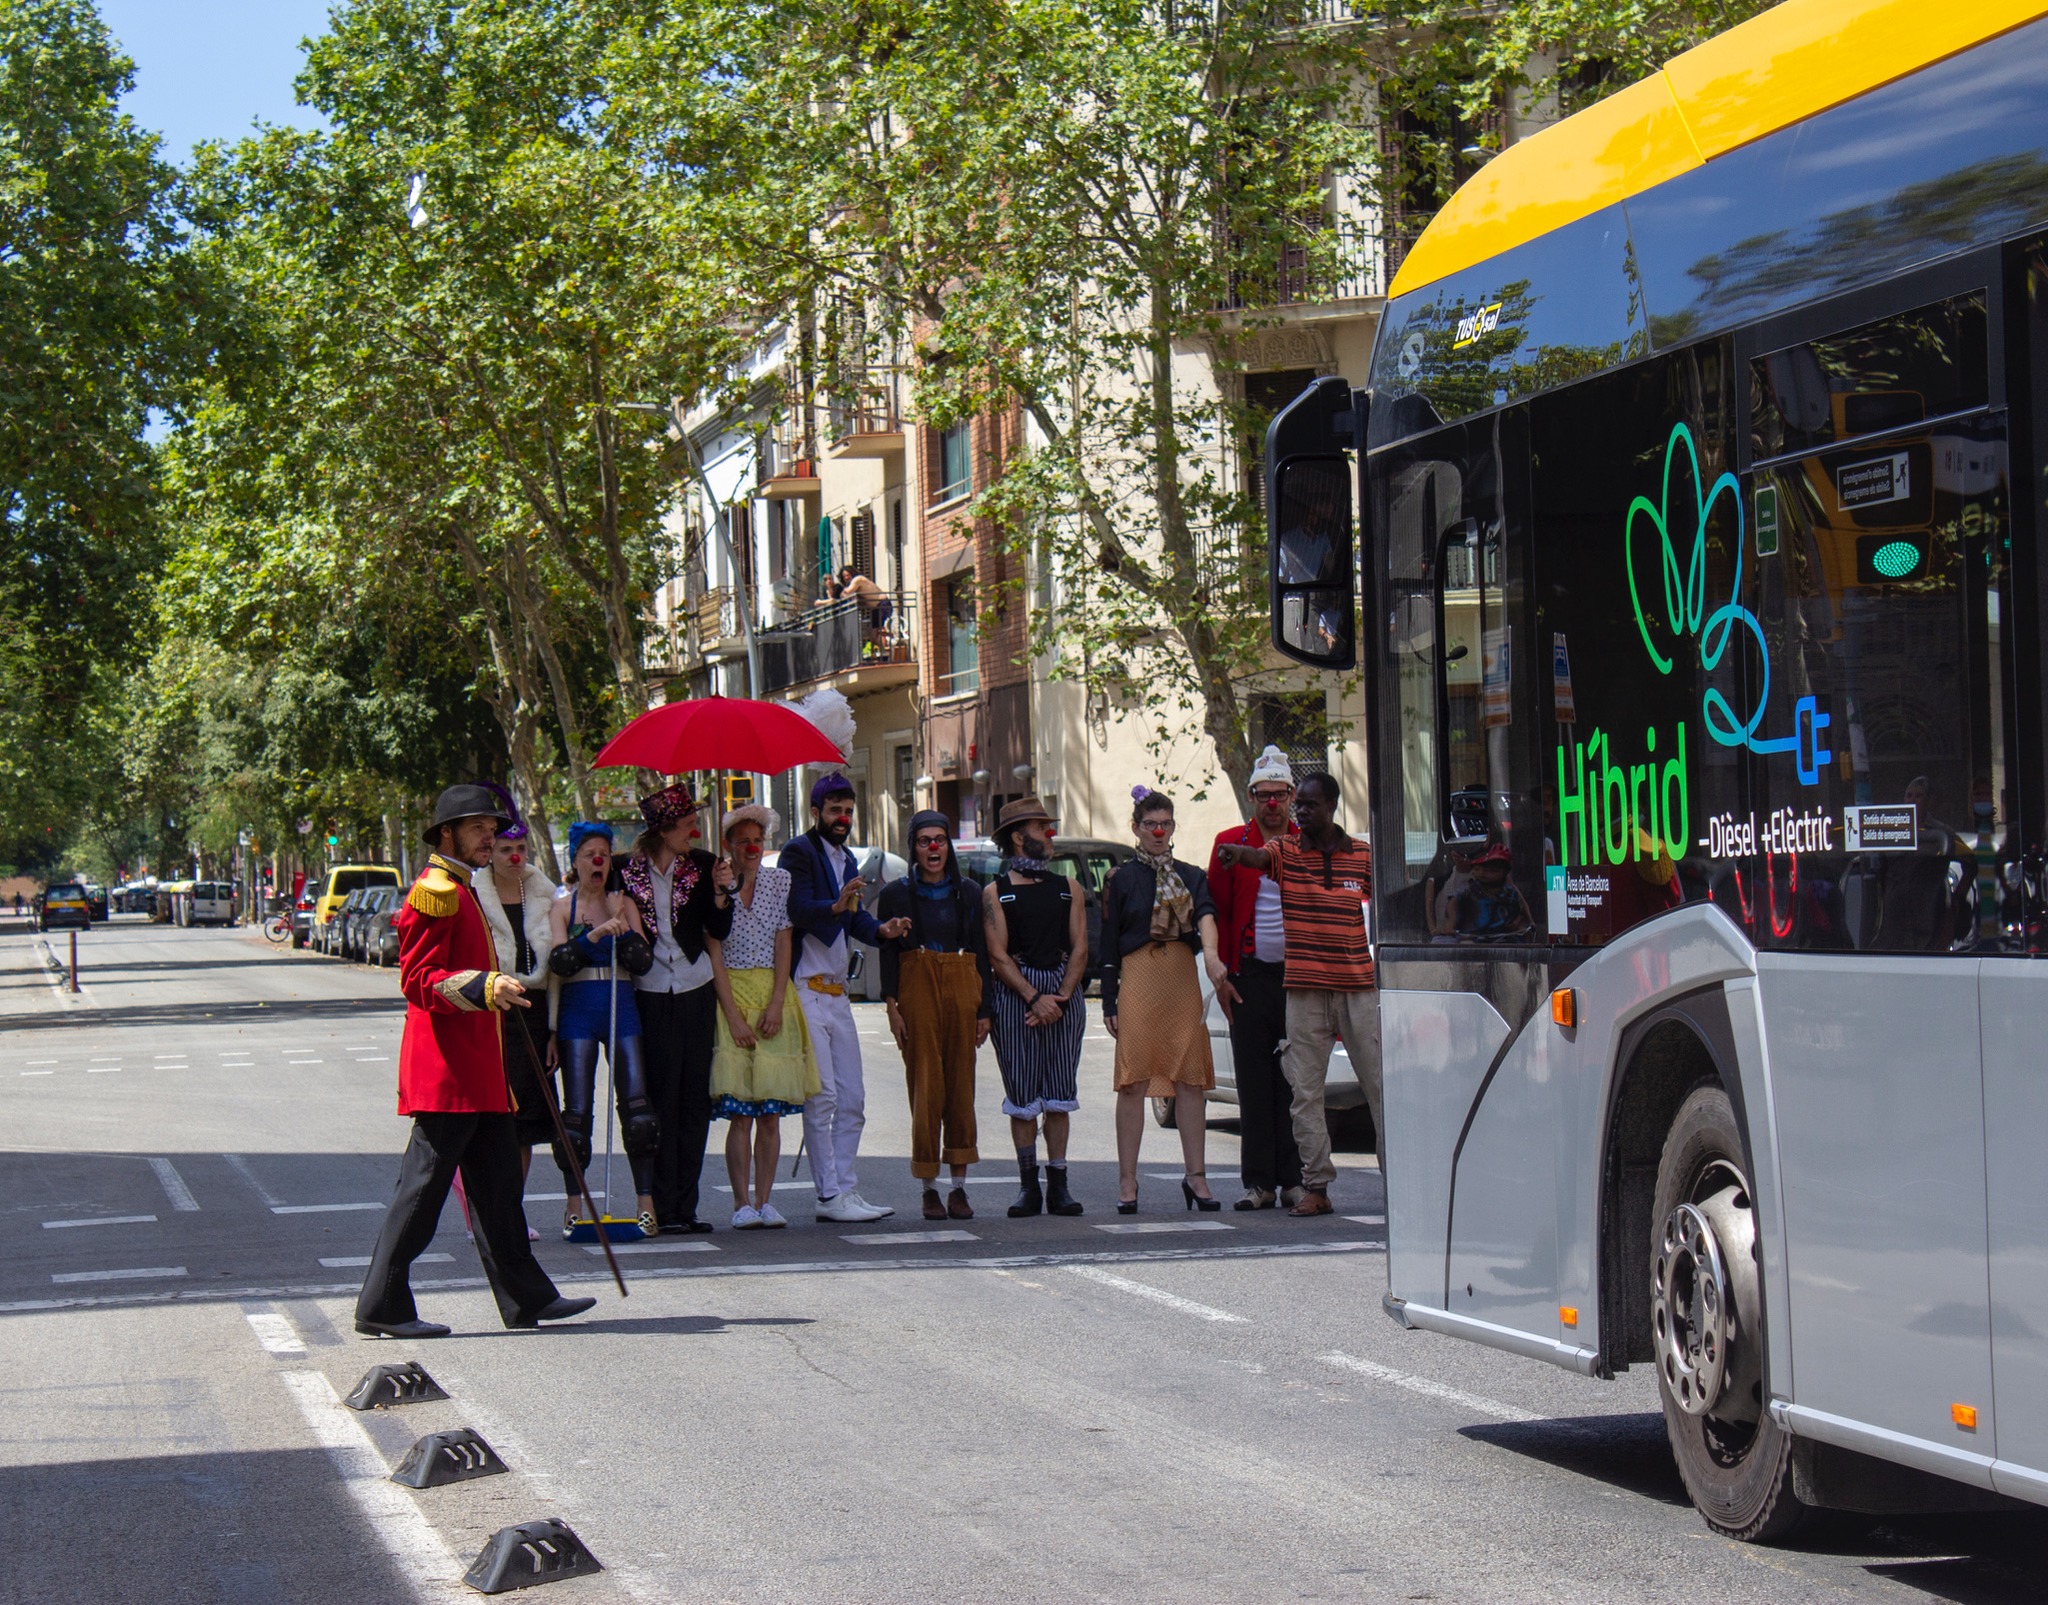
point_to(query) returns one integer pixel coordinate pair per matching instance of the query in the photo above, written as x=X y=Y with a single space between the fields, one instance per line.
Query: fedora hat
x=464 y=802
x=1021 y=812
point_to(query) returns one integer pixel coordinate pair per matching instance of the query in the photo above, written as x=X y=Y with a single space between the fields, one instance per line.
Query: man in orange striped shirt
x=1325 y=886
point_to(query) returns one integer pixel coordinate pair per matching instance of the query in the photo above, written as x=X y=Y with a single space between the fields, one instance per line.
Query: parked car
x=341 y=928
x=1087 y=859
x=207 y=903
x=356 y=932
x=377 y=926
x=96 y=902
x=63 y=904
x=302 y=916
x=334 y=883
x=1350 y=1116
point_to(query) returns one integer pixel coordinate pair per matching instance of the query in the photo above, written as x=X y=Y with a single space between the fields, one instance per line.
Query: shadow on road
x=659 y=1325
x=272 y=1525
x=1628 y=1452
x=225 y=1013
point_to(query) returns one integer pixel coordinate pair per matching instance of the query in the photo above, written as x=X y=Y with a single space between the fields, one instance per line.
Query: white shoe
x=746 y=1219
x=874 y=1211
x=770 y=1216
x=845 y=1208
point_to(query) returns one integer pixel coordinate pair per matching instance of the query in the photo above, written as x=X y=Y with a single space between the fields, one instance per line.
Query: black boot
x=1030 y=1201
x=1058 y=1201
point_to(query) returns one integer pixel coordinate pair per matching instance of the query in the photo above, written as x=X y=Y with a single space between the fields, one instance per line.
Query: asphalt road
x=195 y=1152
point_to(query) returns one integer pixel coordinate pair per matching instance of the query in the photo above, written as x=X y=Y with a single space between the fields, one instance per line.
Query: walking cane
x=547 y=1096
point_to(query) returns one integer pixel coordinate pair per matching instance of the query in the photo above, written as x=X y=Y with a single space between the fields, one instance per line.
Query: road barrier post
x=74 y=961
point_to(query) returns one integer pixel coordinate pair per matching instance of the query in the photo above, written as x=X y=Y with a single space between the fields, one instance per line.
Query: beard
x=1035 y=848
x=836 y=831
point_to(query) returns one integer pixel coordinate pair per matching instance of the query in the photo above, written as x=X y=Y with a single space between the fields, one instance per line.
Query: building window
x=778 y=541
x=1298 y=723
x=956 y=471
x=963 y=638
x=901 y=767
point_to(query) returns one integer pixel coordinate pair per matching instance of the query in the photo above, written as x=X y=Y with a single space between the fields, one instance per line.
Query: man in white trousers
x=825 y=907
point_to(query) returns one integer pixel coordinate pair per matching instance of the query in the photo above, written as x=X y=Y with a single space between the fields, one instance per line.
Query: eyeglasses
x=1272 y=795
x=930 y=841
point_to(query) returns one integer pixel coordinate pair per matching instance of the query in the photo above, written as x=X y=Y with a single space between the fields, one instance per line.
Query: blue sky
x=209 y=69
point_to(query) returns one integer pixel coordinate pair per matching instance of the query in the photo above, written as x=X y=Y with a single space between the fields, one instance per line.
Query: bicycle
x=278 y=928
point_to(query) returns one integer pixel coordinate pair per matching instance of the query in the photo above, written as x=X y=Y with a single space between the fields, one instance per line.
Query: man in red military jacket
x=451 y=1080
x=1252 y=941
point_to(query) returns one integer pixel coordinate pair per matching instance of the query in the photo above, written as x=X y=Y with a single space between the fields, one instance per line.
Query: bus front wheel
x=1706 y=1320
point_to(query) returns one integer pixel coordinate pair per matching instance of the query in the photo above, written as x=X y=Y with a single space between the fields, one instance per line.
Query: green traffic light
x=1896 y=559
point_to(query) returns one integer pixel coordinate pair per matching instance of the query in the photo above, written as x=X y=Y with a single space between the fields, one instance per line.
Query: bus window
x=1932 y=362
x=1637 y=519
x=1884 y=601
x=1451 y=594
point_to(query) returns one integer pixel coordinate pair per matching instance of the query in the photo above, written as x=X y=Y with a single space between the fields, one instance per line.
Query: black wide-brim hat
x=464 y=802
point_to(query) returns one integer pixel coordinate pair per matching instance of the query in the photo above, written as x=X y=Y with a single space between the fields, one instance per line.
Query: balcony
x=864 y=417
x=714 y=627
x=839 y=644
x=1313 y=266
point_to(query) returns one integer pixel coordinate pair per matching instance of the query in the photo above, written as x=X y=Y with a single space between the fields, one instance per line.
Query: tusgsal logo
x=1685 y=613
x=1474 y=324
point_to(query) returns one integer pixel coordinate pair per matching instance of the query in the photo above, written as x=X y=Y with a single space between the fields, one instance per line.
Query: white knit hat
x=1272 y=765
x=755 y=814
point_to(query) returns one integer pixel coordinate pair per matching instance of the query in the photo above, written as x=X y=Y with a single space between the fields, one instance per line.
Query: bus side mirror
x=1310 y=553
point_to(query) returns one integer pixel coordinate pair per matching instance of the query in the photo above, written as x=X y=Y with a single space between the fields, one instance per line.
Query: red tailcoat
x=1236 y=890
x=452 y=1060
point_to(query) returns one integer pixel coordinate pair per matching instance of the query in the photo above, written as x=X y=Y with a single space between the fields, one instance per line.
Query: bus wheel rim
x=1692 y=1310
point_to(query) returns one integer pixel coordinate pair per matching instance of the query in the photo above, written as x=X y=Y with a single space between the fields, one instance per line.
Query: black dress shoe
x=560 y=1310
x=401 y=1329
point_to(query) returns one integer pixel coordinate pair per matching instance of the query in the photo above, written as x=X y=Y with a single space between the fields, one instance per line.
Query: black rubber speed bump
x=442 y=1457
x=385 y=1385
x=533 y=1552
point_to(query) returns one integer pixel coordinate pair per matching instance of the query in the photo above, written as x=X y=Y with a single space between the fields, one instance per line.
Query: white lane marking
x=319 y=1209
x=1368 y=1220
x=102 y=1220
x=305 y=1061
x=39 y=1072
x=137 y=1275
x=247 y=1172
x=1476 y=1402
x=406 y=1534
x=275 y=1333
x=1175 y=1175
x=1136 y=1228
x=174 y=1186
x=103 y=1069
x=361 y=1262
x=544 y=1197
x=654 y=1248
x=102 y=1058
x=598 y=1276
x=377 y=1059
x=1173 y=1301
x=900 y=1239
x=39 y=1061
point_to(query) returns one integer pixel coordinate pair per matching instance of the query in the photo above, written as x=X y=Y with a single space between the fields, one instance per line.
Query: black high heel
x=1127 y=1206
x=1208 y=1206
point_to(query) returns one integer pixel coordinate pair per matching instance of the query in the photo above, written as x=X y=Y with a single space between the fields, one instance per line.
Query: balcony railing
x=838 y=638
x=1339 y=261
x=865 y=409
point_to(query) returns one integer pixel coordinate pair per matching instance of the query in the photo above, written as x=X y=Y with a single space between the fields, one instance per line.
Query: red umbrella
x=762 y=738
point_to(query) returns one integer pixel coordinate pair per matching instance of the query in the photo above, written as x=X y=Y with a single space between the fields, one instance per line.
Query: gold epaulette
x=436 y=894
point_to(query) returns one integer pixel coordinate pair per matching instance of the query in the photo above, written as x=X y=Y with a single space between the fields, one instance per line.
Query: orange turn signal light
x=1564 y=1007
x=1964 y=1416
x=1569 y=1314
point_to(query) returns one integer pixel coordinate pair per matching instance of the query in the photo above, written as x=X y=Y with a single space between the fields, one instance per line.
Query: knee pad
x=578 y=1127
x=640 y=1130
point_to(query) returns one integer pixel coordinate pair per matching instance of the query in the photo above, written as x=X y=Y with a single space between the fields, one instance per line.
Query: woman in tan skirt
x=1155 y=911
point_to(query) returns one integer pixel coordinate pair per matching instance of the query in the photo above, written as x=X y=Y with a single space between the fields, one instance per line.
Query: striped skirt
x=1041 y=1064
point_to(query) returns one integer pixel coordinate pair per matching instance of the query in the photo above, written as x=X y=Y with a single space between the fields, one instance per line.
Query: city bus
x=1695 y=500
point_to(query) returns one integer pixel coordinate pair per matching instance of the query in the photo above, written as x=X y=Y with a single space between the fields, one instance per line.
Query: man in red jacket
x=1252 y=941
x=451 y=1080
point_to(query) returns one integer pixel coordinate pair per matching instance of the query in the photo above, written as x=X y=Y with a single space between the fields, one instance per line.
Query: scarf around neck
x=1173 y=906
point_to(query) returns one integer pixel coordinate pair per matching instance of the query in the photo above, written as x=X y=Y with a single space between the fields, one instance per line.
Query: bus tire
x=1164 y=1113
x=1707 y=1328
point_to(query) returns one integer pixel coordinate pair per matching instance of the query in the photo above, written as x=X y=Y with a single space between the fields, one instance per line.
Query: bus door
x=2013 y=1000
x=1863 y=856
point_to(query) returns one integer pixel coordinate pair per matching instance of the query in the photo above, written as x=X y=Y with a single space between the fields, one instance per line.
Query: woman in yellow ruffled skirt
x=763 y=1067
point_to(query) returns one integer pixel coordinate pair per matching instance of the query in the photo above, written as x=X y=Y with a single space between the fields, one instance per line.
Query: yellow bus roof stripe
x=1793 y=62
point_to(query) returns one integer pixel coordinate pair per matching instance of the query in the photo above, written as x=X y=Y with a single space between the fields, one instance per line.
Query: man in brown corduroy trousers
x=936 y=983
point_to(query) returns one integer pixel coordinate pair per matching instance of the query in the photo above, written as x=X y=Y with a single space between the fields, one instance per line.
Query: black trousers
x=681 y=1032
x=1265 y=1101
x=482 y=1147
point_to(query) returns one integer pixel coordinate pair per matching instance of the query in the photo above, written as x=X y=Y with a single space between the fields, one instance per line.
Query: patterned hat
x=669 y=806
x=583 y=830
